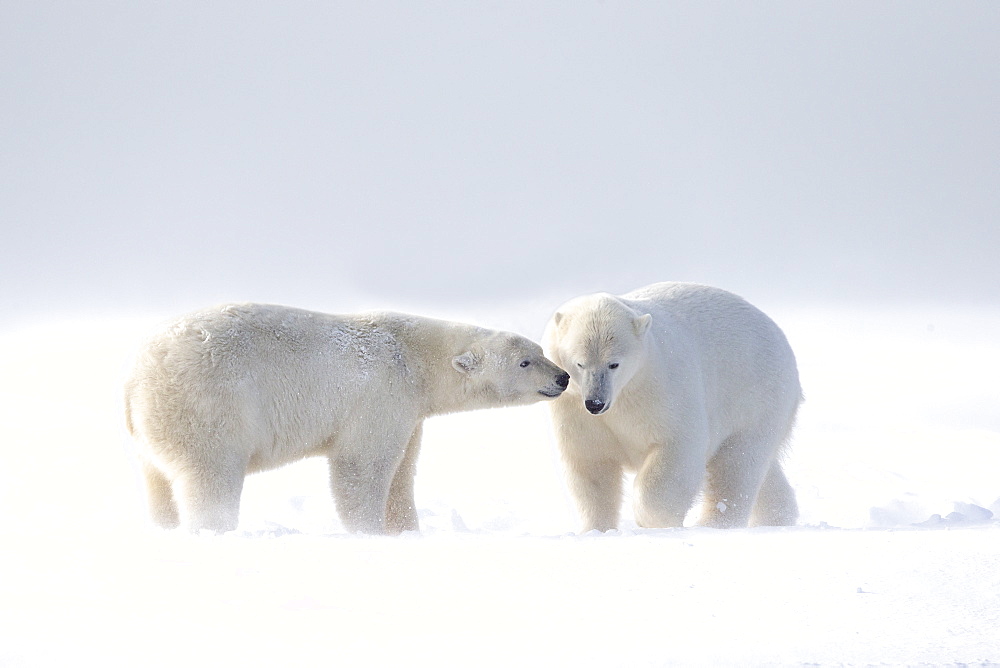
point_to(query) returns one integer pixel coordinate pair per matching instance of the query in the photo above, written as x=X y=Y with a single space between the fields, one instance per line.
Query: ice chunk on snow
x=972 y=512
x=965 y=514
x=896 y=513
x=457 y=523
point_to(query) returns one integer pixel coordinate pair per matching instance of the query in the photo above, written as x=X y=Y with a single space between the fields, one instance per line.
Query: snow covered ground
x=896 y=461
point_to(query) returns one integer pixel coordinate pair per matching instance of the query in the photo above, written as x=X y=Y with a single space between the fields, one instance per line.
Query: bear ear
x=642 y=324
x=465 y=363
x=557 y=318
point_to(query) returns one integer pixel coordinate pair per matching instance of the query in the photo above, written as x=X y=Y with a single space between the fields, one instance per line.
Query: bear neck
x=433 y=345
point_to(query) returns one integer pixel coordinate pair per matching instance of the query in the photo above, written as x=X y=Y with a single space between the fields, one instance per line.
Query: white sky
x=159 y=156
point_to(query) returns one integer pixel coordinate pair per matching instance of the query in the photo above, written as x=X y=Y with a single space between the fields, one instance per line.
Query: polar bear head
x=504 y=369
x=602 y=343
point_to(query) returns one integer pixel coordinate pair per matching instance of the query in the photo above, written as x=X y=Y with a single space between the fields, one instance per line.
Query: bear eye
x=525 y=363
x=613 y=365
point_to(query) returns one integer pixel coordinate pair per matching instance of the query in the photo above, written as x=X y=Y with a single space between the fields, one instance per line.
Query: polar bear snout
x=598 y=393
x=561 y=383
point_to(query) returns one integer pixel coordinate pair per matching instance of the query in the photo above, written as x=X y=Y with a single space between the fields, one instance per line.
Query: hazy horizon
x=447 y=156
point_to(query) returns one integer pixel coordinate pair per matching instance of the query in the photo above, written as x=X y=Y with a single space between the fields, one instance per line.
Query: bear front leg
x=362 y=473
x=401 y=512
x=594 y=475
x=596 y=485
x=667 y=484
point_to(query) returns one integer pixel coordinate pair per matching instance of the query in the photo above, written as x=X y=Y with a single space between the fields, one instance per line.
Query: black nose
x=563 y=380
x=595 y=406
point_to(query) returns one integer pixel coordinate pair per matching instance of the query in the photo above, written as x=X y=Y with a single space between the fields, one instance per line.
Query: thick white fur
x=703 y=398
x=240 y=388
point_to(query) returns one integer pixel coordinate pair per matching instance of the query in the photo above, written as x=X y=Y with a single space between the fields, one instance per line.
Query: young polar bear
x=241 y=388
x=687 y=386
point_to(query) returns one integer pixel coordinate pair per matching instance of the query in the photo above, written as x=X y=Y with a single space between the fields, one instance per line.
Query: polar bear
x=687 y=386
x=241 y=388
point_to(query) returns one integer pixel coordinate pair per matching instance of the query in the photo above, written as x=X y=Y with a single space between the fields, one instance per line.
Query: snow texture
x=896 y=560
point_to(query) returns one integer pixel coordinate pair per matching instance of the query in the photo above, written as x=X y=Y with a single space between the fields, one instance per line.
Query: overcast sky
x=158 y=156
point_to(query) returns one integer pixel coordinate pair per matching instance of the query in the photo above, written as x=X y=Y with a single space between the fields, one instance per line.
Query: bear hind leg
x=160 y=497
x=209 y=496
x=776 y=505
x=734 y=476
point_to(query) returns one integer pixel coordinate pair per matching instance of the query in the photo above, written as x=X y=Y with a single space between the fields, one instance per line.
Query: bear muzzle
x=597 y=396
x=561 y=383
